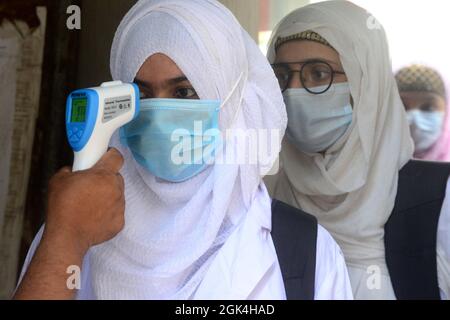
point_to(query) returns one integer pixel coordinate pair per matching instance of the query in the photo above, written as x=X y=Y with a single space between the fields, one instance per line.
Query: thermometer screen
x=79 y=106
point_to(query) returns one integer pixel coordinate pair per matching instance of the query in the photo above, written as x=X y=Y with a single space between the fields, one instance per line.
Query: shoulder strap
x=411 y=231
x=294 y=235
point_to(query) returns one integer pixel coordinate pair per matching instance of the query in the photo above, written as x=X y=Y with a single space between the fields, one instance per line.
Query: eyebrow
x=426 y=98
x=308 y=60
x=172 y=81
x=430 y=100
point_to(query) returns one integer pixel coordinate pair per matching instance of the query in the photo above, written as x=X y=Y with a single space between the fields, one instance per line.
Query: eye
x=316 y=74
x=428 y=107
x=282 y=75
x=185 y=93
x=320 y=74
x=144 y=93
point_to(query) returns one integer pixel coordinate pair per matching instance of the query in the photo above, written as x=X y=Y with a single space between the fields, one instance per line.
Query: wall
x=247 y=12
x=98 y=24
x=98 y=27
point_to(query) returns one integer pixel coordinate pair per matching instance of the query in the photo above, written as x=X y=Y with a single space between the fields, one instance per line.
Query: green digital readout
x=79 y=106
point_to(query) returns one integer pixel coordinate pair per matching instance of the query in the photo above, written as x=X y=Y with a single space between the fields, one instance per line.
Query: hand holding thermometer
x=94 y=114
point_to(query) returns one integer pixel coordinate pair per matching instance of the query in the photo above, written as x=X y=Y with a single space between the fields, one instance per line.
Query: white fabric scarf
x=352 y=187
x=173 y=231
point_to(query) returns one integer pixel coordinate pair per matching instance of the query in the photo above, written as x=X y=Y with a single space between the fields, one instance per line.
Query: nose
x=294 y=81
x=162 y=93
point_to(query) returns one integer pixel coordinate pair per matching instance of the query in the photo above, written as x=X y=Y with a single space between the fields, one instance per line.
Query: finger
x=111 y=160
x=121 y=182
x=63 y=172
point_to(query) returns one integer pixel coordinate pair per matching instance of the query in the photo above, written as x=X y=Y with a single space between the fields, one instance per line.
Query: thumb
x=112 y=160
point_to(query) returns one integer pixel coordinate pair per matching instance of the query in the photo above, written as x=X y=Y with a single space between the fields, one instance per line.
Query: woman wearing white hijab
x=204 y=234
x=347 y=139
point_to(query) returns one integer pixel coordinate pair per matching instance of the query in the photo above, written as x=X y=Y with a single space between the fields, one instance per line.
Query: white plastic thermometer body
x=94 y=114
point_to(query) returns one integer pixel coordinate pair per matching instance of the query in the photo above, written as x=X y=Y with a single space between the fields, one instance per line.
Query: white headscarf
x=352 y=188
x=173 y=231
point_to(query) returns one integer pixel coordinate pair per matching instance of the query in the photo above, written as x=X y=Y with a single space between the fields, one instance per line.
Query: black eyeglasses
x=316 y=76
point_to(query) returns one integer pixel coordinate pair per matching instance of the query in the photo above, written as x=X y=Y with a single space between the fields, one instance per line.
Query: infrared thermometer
x=94 y=114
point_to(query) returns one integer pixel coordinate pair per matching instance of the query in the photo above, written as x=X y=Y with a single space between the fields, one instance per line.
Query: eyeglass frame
x=303 y=64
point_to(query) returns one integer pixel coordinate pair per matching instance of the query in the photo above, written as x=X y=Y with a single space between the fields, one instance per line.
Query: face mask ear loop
x=243 y=75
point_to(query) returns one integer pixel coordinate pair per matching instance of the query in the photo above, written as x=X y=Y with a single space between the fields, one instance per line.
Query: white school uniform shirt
x=331 y=277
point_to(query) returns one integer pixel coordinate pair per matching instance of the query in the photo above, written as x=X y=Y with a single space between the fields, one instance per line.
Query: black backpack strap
x=294 y=235
x=411 y=231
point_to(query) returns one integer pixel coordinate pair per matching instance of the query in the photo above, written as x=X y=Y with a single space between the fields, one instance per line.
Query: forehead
x=158 y=67
x=299 y=50
x=421 y=96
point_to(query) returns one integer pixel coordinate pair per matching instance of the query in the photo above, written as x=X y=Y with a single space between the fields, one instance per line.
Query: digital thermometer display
x=79 y=106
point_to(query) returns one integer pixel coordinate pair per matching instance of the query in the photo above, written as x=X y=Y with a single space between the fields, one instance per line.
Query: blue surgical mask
x=426 y=128
x=174 y=139
x=317 y=121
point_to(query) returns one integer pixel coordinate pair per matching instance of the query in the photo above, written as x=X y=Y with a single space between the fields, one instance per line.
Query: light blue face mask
x=317 y=121
x=174 y=139
x=426 y=128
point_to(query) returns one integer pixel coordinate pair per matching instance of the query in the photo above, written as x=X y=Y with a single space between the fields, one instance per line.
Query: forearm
x=85 y=208
x=47 y=277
